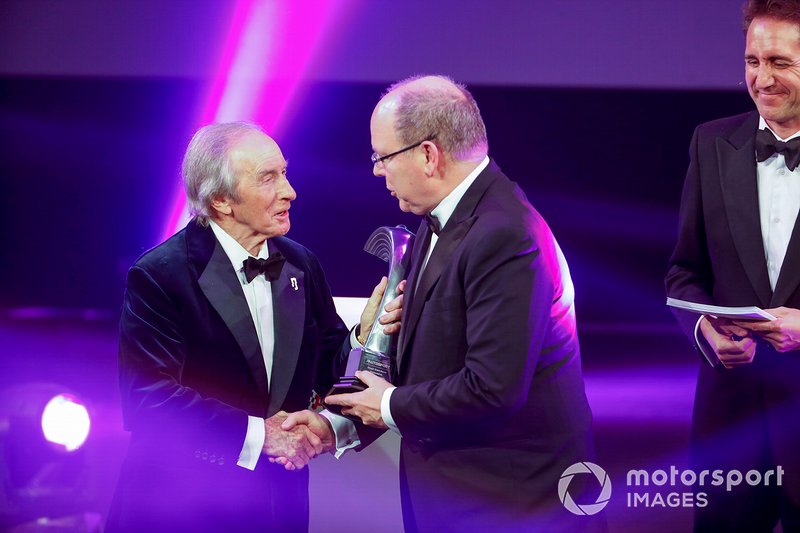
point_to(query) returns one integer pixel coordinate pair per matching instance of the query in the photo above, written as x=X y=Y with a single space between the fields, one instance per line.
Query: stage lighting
x=43 y=470
x=65 y=421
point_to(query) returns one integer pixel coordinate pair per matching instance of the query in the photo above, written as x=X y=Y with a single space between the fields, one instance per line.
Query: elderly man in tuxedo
x=488 y=394
x=226 y=327
x=739 y=245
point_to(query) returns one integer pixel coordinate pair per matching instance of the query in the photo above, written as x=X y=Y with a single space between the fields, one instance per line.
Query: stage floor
x=639 y=381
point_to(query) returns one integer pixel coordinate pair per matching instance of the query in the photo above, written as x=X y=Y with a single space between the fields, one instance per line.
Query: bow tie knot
x=433 y=223
x=271 y=268
x=767 y=146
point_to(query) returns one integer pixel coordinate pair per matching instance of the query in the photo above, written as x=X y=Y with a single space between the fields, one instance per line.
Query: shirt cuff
x=354 y=339
x=702 y=344
x=253 y=443
x=344 y=430
x=386 y=412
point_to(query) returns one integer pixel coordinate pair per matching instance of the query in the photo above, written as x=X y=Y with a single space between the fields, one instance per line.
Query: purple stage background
x=589 y=105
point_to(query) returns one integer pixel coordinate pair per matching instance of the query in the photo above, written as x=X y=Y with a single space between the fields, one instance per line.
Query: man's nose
x=764 y=76
x=286 y=190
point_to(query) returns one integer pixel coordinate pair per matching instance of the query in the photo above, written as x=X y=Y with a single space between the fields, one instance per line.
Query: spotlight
x=43 y=470
x=65 y=421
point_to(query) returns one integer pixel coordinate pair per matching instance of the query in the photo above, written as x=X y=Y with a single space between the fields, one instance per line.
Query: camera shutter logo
x=589 y=508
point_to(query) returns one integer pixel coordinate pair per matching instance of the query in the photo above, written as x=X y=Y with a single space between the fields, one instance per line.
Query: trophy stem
x=391 y=245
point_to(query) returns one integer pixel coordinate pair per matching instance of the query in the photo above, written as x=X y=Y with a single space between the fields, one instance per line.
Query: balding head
x=426 y=106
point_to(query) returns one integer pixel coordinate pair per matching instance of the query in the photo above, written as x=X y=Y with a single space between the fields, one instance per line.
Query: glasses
x=381 y=158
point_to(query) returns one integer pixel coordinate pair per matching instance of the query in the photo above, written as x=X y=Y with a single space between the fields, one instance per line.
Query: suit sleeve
x=509 y=290
x=689 y=273
x=152 y=354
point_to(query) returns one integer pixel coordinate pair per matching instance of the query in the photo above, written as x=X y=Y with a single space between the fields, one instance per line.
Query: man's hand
x=733 y=344
x=313 y=422
x=365 y=404
x=392 y=310
x=318 y=424
x=783 y=333
x=298 y=446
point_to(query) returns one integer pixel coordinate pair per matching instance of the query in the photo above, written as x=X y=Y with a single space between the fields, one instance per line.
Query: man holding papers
x=738 y=245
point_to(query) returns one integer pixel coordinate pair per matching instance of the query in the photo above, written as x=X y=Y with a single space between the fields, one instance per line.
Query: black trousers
x=748 y=419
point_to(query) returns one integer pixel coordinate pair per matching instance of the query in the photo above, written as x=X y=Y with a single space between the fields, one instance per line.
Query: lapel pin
x=294 y=283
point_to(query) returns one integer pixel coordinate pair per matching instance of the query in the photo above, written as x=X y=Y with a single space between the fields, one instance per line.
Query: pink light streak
x=269 y=46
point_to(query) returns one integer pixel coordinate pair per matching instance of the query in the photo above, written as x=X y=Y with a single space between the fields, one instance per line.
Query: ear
x=222 y=205
x=433 y=156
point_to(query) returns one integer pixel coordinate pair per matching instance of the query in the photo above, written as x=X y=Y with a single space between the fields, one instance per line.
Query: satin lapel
x=417 y=256
x=737 y=164
x=449 y=239
x=223 y=289
x=289 y=310
x=789 y=278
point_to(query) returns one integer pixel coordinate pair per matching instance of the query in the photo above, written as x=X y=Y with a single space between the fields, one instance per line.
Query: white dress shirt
x=778 y=205
x=442 y=214
x=258 y=294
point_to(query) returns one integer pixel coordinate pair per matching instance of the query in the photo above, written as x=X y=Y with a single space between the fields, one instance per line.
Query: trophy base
x=358 y=359
x=346 y=385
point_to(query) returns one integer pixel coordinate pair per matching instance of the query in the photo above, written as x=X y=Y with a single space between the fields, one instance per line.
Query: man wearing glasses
x=488 y=394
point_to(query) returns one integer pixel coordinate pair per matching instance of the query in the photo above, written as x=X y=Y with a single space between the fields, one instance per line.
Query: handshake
x=292 y=440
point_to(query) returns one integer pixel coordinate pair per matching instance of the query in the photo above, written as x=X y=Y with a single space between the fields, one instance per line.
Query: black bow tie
x=767 y=145
x=271 y=268
x=433 y=223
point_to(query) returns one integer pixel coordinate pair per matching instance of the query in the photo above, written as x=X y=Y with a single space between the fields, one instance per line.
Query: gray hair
x=454 y=120
x=206 y=168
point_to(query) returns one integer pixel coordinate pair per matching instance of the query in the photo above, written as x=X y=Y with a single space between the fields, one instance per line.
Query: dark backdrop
x=89 y=172
x=90 y=166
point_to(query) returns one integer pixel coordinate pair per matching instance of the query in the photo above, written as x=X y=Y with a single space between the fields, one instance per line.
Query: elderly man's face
x=264 y=192
x=772 y=71
x=404 y=173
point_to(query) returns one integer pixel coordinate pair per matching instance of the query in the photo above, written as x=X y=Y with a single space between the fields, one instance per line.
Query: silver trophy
x=392 y=245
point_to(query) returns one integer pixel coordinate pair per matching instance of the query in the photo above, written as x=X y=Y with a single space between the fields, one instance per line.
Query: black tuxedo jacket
x=719 y=258
x=490 y=403
x=191 y=371
x=745 y=418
